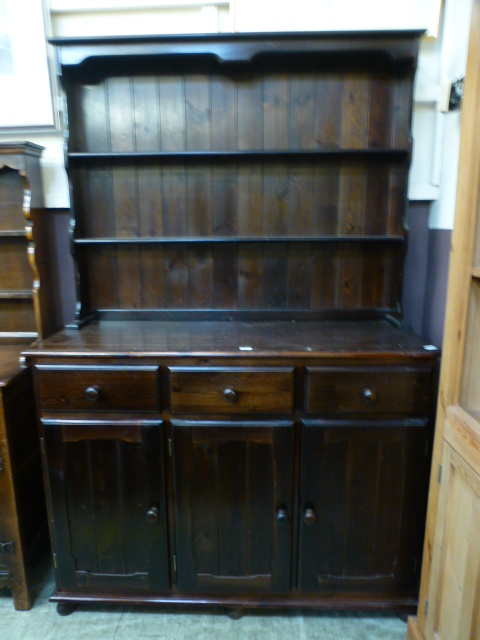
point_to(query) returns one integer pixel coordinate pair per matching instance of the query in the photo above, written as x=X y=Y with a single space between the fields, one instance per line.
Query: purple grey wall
x=63 y=272
x=425 y=274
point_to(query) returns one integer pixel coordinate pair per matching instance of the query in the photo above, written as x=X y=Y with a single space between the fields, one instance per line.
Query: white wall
x=442 y=58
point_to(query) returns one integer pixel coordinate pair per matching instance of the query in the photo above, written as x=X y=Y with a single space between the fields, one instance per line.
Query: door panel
x=362 y=494
x=233 y=501
x=454 y=596
x=108 y=503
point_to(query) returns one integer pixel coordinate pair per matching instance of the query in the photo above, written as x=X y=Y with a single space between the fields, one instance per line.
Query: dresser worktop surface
x=249 y=339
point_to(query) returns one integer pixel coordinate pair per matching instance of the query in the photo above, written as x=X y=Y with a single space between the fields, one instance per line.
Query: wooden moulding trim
x=392 y=47
x=105 y=418
x=238 y=239
x=462 y=432
x=236 y=314
x=234 y=155
x=328 y=601
x=24 y=148
x=231 y=423
x=353 y=422
x=413 y=631
x=27 y=198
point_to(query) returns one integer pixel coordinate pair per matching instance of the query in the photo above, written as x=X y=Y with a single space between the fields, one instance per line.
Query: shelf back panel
x=258 y=110
x=295 y=276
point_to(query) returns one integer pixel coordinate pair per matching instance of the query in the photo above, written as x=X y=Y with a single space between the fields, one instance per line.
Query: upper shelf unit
x=239 y=164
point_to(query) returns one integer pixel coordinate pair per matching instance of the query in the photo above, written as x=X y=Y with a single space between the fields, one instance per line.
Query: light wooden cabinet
x=454 y=596
x=449 y=602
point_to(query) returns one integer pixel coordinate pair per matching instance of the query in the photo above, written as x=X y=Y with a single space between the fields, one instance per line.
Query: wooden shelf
x=16 y=294
x=237 y=239
x=234 y=156
x=13 y=233
x=30 y=335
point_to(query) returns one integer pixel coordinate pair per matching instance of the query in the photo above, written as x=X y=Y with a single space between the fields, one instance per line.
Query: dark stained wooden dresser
x=240 y=416
x=25 y=315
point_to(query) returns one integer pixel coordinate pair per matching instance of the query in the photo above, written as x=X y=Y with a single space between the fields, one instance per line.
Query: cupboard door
x=107 y=498
x=233 y=506
x=363 y=492
x=454 y=596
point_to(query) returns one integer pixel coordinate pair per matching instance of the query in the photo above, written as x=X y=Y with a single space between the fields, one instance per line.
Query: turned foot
x=235 y=613
x=65 y=608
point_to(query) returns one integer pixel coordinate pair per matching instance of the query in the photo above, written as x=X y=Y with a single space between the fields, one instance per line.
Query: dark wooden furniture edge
x=332 y=602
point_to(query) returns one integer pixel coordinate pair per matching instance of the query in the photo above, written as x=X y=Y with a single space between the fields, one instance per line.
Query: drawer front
x=221 y=390
x=367 y=391
x=84 y=388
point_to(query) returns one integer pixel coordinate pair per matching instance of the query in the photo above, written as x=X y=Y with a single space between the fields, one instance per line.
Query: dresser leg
x=65 y=608
x=235 y=613
x=22 y=600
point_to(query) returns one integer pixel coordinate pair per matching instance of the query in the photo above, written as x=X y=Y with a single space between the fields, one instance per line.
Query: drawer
x=365 y=390
x=232 y=390
x=85 y=388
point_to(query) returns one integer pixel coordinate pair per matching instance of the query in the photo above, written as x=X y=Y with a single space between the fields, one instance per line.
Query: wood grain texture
x=413 y=630
x=354 y=479
x=123 y=482
x=238 y=543
x=456 y=554
x=132 y=389
x=357 y=339
x=253 y=191
x=23 y=519
x=202 y=390
x=298 y=110
x=367 y=391
x=459 y=286
x=26 y=312
x=27 y=302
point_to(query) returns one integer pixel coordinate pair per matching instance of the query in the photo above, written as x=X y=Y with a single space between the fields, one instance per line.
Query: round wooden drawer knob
x=92 y=393
x=370 y=395
x=230 y=395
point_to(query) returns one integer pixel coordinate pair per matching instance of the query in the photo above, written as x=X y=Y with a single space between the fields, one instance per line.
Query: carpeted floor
x=141 y=623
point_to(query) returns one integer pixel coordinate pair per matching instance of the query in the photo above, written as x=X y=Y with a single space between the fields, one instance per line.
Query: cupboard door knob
x=370 y=395
x=92 y=393
x=230 y=395
x=152 y=514
x=309 y=516
x=282 y=516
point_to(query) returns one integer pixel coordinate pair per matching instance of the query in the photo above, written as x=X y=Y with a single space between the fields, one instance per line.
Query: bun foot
x=65 y=608
x=235 y=613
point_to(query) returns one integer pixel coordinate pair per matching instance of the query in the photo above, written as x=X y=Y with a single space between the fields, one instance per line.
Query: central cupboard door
x=107 y=505
x=233 y=506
